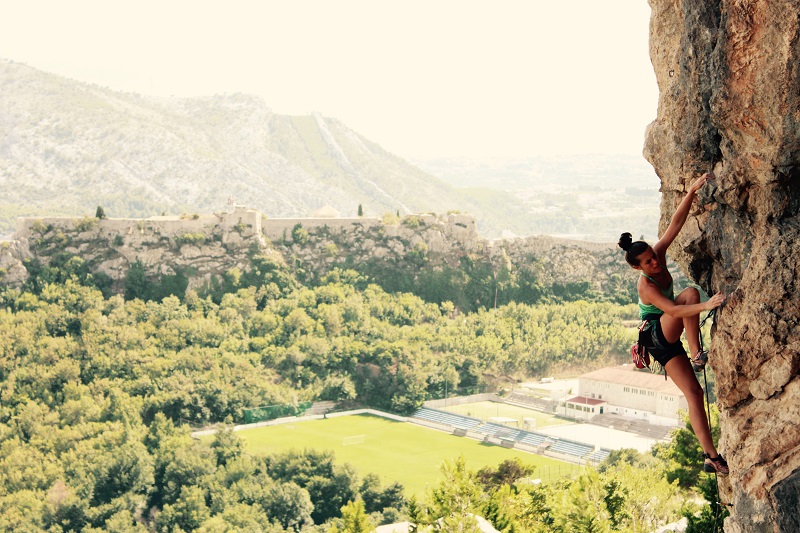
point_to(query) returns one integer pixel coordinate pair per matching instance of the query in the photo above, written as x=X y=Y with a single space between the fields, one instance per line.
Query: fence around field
x=306 y=417
x=462 y=400
x=271 y=412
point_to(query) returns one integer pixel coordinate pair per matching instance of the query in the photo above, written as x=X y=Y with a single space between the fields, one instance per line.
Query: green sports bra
x=650 y=309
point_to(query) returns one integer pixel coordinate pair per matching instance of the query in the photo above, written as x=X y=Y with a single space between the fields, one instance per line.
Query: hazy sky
x=423 y=79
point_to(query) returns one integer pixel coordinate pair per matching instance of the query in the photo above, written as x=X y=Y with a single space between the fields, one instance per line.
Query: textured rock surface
x=729 y=79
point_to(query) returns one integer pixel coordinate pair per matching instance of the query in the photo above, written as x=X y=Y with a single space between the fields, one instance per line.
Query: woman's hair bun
x=625 y=241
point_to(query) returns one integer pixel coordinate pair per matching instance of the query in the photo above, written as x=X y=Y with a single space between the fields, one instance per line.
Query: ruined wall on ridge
x=728 y=74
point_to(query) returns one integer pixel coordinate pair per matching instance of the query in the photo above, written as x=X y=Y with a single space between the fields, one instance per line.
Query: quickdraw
x=639 y=353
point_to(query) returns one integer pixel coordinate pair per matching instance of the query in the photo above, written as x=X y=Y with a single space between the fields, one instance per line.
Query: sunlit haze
x=423 y=79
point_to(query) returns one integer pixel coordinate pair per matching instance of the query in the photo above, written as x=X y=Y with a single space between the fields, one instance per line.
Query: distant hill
x=592 y=197
x=67 y=147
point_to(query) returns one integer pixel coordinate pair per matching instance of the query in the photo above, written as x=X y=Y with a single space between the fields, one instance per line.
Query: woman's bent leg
x=679 y=369
x=691 y=324
x=673 y=327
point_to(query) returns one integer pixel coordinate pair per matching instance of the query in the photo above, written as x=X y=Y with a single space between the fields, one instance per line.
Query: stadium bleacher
x=569 y=447
x=487 y=428
x=599 y=456
x=500 y=431
x=446 y=418
x=540 y=404
x=533 y=439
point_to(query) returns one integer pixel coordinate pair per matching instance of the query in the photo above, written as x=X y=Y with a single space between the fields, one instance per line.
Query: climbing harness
x=640 y=354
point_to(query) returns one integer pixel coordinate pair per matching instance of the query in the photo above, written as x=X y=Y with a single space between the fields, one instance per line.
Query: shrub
x=390 y=219
x=419 y=253
x=331 y=250
x=299 y=234
x=39 y=227
x=191 y=238
x=85 y=224
x=412 y=221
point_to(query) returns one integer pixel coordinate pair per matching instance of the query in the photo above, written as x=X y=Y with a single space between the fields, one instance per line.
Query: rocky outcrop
x=12 y=268
x=430 y=242
x=729 y=79
x=203 y=247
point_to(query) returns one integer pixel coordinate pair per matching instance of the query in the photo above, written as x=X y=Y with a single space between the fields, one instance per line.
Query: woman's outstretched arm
x=680 y=215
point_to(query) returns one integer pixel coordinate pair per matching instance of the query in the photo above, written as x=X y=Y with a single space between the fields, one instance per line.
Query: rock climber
x=666 y=316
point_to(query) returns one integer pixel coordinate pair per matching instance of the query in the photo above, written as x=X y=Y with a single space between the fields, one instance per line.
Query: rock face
x=204 y=246
x=729 y=79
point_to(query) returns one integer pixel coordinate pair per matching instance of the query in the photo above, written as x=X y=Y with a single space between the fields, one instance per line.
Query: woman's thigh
x=671 y=327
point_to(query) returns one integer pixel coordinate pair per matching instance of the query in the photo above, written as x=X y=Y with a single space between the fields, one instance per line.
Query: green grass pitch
x=396 y=451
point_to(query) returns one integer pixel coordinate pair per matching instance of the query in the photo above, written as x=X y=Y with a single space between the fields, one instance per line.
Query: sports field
x=487 y=410
x=396 y=451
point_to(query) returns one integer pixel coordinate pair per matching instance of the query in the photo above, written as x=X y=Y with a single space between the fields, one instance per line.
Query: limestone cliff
x=728 y=73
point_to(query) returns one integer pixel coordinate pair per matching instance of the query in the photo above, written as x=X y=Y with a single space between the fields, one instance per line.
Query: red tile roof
x=586 y=401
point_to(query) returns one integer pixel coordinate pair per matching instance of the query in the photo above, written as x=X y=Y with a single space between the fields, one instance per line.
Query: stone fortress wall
x=281 y=228
x=206 y=244
x=242 y=220
x=163 y=225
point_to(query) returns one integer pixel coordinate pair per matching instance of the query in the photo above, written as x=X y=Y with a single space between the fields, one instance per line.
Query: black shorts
x=652 y=337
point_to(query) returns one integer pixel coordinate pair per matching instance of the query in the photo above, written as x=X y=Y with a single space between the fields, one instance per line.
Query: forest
x=101 y=391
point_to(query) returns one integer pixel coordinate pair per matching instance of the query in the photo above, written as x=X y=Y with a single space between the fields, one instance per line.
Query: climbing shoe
x=699 y=361
x=716 y=465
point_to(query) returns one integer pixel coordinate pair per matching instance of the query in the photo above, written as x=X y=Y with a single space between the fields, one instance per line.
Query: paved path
x=613 y=439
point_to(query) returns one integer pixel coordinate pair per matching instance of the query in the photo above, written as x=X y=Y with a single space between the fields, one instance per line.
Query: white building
x=626 y=391
x=583 y=408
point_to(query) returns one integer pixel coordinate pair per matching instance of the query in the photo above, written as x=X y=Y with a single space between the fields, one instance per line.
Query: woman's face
x=648 y=262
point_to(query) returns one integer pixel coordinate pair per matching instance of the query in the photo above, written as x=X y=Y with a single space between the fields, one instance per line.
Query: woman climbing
x=666 y=316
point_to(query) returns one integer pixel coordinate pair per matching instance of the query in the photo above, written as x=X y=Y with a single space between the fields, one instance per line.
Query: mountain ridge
x=71 y=146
